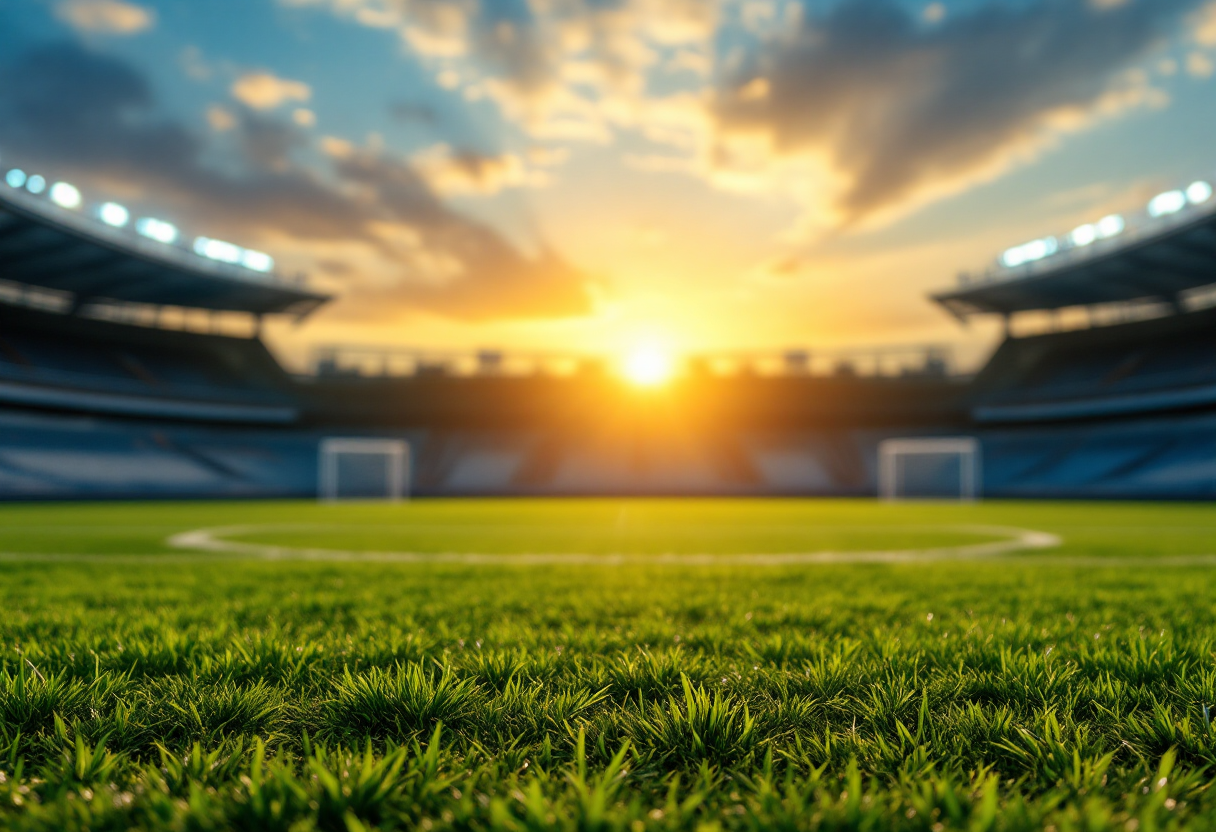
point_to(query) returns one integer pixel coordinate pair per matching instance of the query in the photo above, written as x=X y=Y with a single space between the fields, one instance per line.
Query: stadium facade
x=131 y=366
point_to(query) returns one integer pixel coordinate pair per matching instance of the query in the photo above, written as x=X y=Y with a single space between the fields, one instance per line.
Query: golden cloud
x=1205 y=25
x=265 y=91
x=106 y=17
x=450 y=171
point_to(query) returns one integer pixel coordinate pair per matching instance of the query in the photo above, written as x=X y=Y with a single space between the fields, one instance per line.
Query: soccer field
x=607 y=664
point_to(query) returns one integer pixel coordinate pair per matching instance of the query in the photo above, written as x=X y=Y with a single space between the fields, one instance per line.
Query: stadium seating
x=45 y=455
x=62 y=362
x=1147 y=366
x=1159 y=458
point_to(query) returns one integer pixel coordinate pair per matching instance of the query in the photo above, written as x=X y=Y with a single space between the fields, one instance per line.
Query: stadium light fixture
x=1039 y=249
x=217 y=250
x=65 y=195
x=1105 y=228
x=113 y=214
x=35 y=184
x=1030 y=252
x=15 y=178
x=257 y=261
x=1083 y=235
x=1199 y=192
x=1110 y=226
x=1170 y=202
x=159 y=230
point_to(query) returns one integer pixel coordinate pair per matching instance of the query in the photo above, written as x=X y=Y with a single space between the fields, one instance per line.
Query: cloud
x=264 y=91
x=1199 y=65
x=894 y=112
x=859 y=109
x=1205 y=25
x=220 y=118
x=546 y=157
x=467 y=269
x=268 y=144
x=567 y=70
x=92 y=119
x=105 y=17
x=461 y=171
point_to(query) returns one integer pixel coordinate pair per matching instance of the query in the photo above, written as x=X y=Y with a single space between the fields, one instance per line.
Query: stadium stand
x=1127 y=407
x=100 y=397
x=67 y=362
x=1161 y=458
x=53 y=455
x=1162 y=364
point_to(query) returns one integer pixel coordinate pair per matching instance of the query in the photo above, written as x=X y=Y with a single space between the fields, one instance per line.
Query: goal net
x=363 y=469
x=929 y=468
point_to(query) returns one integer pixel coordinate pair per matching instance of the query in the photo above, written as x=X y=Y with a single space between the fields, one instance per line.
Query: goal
x=929 y=468
x=363 y=469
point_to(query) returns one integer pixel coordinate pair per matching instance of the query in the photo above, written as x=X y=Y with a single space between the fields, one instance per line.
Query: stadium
x=117 y=382
x=459 y=417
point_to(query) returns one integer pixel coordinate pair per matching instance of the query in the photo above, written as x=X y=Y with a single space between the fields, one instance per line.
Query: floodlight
x=1013 y=257
x=1199 y=192
x=1110 y=226
x=257 y=261
x=217 y=250
x=1029 y=252
x=65 y=195
x=35 y=184
x=111 y=213
x=1039 y=249
x=1170 y=202
x=159 y=230
x=1084 y=235
x=15 y=178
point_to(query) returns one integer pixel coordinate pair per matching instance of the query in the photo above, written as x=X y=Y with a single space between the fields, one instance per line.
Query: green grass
x=145 y=687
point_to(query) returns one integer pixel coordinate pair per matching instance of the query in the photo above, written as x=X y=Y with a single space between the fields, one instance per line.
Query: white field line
x=215 y=540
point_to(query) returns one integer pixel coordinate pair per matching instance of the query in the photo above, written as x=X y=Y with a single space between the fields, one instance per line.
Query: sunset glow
x=745 y=174
x=649 y=366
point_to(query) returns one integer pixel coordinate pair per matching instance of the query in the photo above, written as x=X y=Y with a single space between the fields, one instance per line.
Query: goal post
x=930 y=468
x=358 y=468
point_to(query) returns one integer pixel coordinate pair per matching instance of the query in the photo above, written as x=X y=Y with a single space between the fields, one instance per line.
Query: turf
x=141 y=686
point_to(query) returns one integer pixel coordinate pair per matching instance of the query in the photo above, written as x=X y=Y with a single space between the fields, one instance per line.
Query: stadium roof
x=1158 y=260
x=46 y=246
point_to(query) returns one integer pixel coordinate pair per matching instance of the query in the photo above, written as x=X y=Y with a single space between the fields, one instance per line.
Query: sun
x=648 y=366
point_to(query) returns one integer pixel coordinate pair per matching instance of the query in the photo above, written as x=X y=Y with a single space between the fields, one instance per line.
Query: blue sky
x=711 y=174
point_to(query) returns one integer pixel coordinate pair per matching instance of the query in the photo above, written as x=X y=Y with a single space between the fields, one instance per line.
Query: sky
x=583 y=175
